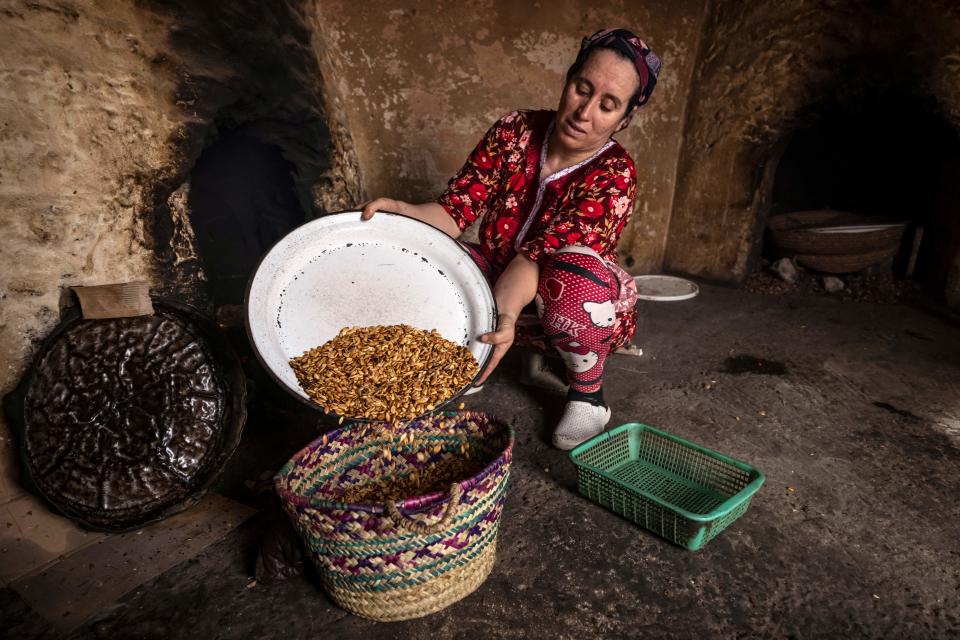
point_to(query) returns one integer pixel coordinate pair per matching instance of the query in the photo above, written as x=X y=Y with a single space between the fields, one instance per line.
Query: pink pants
x=576 y=301
x=584 y=312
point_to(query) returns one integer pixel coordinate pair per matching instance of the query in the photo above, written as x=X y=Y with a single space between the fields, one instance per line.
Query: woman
x=555 y=191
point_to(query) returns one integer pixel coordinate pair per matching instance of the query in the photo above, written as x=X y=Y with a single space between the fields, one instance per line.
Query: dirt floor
x=851 y=409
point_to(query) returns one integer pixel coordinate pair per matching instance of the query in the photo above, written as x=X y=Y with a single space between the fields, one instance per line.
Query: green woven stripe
x=355 y=455
x=395 y=580
x=415 y=575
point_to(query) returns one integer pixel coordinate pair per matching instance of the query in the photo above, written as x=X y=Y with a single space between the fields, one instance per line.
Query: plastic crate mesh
x=638 y=462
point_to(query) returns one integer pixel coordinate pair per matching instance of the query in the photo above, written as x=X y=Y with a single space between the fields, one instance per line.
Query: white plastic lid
x=665 y=288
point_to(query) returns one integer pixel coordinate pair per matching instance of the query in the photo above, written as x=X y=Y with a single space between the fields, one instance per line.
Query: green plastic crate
x=679 y=490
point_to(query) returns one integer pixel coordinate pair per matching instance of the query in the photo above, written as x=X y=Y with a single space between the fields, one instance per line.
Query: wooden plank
x=10 y=488
x=32 y=537
x=76 y=588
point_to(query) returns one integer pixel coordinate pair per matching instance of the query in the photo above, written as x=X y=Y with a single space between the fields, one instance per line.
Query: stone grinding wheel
x=126 y=421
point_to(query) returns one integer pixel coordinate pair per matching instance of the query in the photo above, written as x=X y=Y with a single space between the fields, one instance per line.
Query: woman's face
x=595 y=101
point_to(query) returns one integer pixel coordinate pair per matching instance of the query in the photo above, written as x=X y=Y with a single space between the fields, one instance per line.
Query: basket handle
x=449 y=513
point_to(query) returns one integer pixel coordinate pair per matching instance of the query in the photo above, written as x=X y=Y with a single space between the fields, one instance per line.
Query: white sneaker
x=537 y=373
x=473 y=390
x=580 y=422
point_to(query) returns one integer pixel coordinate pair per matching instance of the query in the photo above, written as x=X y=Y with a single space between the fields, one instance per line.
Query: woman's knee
x=579 y=250
x=576 y=281
x=577 y=259
x=581 y=267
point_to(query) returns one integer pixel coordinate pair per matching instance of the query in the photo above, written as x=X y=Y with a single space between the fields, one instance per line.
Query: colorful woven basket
x=386 y=557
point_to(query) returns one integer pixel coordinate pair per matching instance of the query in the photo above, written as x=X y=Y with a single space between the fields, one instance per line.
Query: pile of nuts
x=399 y=482
x=390 y=373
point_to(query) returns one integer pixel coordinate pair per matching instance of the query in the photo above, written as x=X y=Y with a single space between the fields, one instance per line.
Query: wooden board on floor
x=32 y=537
x=71 y=591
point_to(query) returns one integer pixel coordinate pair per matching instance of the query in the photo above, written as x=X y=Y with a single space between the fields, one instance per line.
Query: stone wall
x=104 y=107
x=764 y=70
x=420 y=82
x=83 y=109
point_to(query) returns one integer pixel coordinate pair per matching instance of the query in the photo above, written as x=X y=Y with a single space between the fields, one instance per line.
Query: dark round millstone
x=128 y=420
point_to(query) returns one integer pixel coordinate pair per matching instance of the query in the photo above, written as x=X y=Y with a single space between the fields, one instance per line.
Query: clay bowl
x=828 y=232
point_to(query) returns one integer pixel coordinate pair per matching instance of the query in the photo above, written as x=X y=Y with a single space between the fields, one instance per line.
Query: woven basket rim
x=804 y=218
x=794 y=233
x=424 y=502
x=845 y=263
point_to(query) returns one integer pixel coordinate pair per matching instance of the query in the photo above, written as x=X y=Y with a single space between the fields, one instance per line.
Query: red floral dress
x=587 y=204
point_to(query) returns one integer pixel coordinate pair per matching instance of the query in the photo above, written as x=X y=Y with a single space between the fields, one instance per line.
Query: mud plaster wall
x=422 y=83
x=104 y=107
x=78 y=113
x=762 y=70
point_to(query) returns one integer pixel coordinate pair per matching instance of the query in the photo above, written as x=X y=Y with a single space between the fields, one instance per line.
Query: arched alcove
x=767 y=72
x=877 y=158
x=242 y=200
x=887 y=156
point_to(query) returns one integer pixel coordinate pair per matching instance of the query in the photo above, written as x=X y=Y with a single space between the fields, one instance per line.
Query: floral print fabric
x=586 y=205
x=500 y=181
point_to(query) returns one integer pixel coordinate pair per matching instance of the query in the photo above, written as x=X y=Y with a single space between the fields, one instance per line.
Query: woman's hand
x=515 y=288
x=501 y=339
x=379 y=204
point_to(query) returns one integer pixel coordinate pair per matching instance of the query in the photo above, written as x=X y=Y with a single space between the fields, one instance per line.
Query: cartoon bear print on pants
x=602 y=314
x=576 y=301
x=579 y=362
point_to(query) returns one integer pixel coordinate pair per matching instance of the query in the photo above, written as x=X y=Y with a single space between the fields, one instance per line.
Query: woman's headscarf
x=646 y=61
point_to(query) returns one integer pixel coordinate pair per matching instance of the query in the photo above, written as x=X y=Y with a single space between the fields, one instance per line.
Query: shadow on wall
x=242 y=200
x=888 y=156
x=767 y=70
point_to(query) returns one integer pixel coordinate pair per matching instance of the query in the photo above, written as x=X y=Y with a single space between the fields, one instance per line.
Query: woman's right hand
x=501 y=339
x=430 y=212
x=379 y=204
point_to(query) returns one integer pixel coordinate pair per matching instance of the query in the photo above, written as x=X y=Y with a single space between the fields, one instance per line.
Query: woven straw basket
x=850 y=263
x=409 y=557
x=792 y=233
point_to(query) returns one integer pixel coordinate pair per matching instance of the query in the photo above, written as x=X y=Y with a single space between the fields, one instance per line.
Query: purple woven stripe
x=343 y=439
x=344 y=522
x=386 y=563
x=489 y=517
x=498 y=466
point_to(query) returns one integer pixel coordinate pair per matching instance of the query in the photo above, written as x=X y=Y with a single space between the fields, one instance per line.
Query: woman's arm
x=514 y=290
x=469 y=193
x=429 y=212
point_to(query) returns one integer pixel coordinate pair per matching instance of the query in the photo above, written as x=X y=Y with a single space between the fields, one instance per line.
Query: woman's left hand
x=501 y=339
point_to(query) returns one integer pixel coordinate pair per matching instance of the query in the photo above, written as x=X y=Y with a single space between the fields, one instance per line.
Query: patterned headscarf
x=645 y=60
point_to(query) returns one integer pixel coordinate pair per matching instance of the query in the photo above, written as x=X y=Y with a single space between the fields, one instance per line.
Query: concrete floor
x=855 y=533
